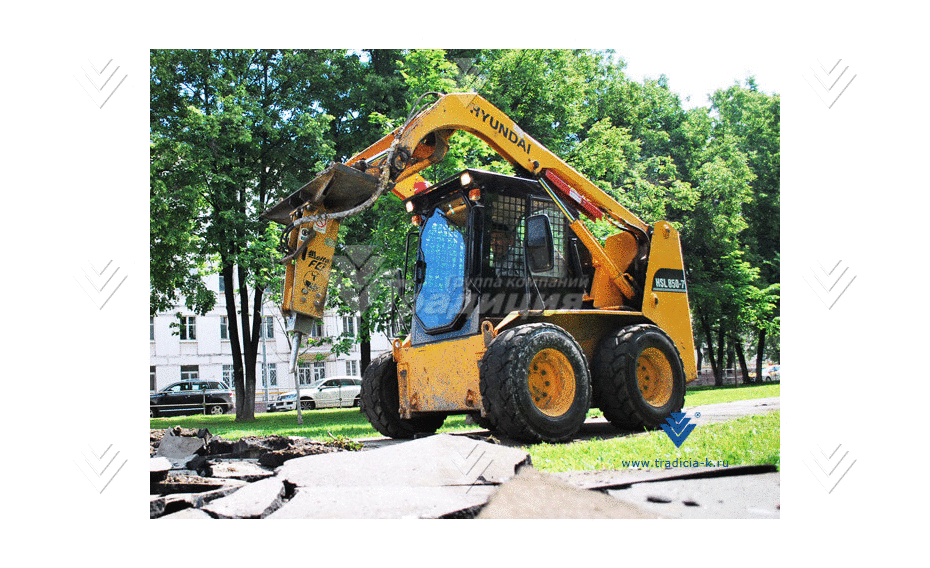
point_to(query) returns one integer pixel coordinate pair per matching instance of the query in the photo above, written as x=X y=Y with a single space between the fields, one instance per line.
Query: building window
x=304 y=373
x=189 y=373
x=152 y=378
x=316 y=331
x=268 y=327
x=188 y=328
x=224 y=328
x=319 y=371
x=272 y=374
x=228 y=376
x=151 y=329
x=348 y=325
x=352 y=368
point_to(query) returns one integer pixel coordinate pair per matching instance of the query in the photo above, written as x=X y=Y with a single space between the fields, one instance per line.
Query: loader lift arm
x=424 y=140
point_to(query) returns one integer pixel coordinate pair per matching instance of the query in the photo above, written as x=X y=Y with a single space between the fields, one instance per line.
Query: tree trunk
x=235 y=345
x=721 y=354
x=741 y=355
x=245 y=412
x=760 y=350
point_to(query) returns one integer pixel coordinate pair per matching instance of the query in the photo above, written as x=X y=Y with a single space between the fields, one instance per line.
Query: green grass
x=318 y=424
x=746 y=441
x=705 y=395
x=750 y=440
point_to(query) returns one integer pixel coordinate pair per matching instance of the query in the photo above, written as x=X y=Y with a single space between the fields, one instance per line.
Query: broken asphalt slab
x=430 y=477
x=462 y=476
x=433 y=461
x=536 y=495
x=253 y=501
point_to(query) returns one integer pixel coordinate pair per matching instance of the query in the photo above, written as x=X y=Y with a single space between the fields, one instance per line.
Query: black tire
x=380 y=401
x=215 y=409
x=626 y=401
x=307 y=404
x=357 y=402
x=519 y=400
x=153 y=413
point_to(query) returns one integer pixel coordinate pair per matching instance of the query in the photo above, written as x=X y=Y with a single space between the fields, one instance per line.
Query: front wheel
x=535 y=384
x=380 y=401
x=307 y=404
x=639 y=379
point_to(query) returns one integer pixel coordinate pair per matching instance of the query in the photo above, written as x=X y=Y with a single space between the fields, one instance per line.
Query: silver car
x=333 y=392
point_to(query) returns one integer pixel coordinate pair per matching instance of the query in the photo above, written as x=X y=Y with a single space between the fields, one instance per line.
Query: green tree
x=752 y=118
x=231 y=131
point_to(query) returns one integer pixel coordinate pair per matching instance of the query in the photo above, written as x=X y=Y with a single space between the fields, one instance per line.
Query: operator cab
x=489 y=245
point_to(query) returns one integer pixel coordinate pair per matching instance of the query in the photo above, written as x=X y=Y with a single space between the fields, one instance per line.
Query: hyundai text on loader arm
x=521 y=317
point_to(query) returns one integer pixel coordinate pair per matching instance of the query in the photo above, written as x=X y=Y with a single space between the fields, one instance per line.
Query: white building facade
x=198 y=347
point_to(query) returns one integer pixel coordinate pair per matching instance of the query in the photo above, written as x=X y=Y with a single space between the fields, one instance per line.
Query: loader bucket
x=338 y=188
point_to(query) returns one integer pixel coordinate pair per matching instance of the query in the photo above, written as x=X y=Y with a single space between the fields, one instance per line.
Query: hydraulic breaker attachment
x=311 y=218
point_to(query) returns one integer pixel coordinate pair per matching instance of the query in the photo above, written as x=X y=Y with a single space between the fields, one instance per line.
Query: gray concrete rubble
x=536 y=495
x=253 y=501
x=453 y=476
x=433 y=461
x=464 y=475
x=181 y=450
x=432 y=477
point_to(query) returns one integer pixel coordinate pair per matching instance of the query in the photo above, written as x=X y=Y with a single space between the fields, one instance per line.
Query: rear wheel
x=639 y=379
x=535 y=384
x=216 y=409
x=380 y=401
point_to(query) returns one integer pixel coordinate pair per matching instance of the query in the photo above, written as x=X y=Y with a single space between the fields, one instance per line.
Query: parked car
x=191 y=397
x=324 y=393
x=771 y=373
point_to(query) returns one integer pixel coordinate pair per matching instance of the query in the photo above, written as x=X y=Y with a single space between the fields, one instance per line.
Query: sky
x=694 y=75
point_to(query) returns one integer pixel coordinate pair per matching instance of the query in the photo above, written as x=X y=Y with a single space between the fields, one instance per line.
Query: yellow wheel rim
x=551 y=382
x=654 y=377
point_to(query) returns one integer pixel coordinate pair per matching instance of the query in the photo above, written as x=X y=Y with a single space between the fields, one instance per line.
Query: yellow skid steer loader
x=520 y=317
